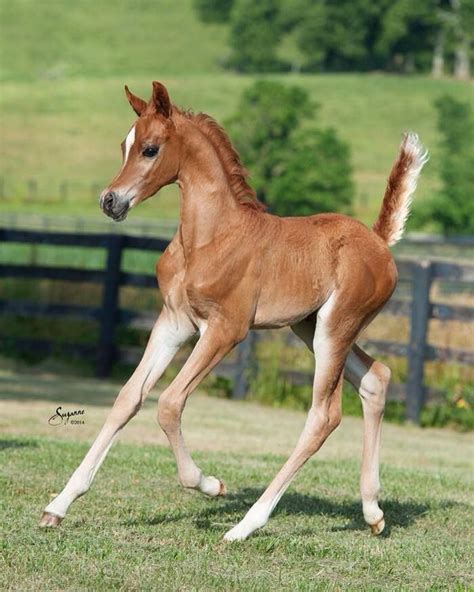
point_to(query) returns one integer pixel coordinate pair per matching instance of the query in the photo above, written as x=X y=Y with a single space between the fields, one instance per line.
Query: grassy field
x=63 y=112
x=58 y=39
x=71 y=130
x=138 y=530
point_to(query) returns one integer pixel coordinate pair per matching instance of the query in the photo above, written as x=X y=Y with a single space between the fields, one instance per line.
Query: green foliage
x=333 y=35
x=449 y=414
x=407 y=35
x=270 y=388
x=315 y=175
x=295 y=169
x=337 y=35
x=453 y=207
x=213 y=11
x=254 y=36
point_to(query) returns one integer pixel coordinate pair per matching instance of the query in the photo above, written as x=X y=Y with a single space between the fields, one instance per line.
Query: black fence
x=417 y=275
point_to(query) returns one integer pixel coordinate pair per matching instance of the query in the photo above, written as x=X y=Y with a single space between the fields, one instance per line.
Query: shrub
x=296 y=168
x=452 y=209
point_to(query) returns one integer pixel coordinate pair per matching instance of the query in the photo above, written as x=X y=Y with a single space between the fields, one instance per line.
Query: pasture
x=138 y=530
x=63 y=115
x=70 y=131
x=63 y=111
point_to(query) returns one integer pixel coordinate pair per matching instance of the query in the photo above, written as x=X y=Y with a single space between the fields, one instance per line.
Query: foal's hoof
x=49 y=520
x=378 y=528
x=212 y=487
x=222 y=488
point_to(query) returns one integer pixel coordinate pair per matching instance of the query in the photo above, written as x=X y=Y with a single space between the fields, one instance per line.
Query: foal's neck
x=207 y=204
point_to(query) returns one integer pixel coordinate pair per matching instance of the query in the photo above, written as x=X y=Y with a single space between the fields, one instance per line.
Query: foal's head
x=150 y=155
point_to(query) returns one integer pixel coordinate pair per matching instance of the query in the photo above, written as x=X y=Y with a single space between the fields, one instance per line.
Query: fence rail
x=419 y=309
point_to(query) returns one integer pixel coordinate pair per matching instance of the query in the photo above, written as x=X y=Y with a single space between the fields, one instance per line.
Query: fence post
x=110 y=302
x=245 y=366
x=420 y=315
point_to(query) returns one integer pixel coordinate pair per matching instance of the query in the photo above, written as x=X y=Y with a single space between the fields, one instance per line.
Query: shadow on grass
x=398 y=514
x=57 y=389
x=17 y=443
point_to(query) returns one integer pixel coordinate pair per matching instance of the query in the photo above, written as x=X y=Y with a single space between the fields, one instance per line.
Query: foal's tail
x=400 y=187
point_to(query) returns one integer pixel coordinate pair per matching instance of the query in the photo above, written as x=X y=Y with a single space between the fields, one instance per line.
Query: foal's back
x=314 y=256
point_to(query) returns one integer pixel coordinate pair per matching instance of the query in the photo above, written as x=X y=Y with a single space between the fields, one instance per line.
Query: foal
x=231 y=267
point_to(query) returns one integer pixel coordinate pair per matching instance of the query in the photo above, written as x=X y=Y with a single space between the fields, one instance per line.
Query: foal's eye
x=150 y=151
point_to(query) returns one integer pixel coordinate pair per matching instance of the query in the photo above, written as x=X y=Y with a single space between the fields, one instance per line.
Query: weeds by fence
x=108 y=315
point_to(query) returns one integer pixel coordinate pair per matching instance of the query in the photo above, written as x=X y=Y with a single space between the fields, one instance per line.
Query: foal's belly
x=288 y=302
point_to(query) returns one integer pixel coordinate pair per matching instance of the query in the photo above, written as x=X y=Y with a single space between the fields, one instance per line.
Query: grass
x=71 y=130
x=138 y=530
x=56 y=39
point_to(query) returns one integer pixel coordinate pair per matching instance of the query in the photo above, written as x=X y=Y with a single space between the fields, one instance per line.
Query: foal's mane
x=236 y=172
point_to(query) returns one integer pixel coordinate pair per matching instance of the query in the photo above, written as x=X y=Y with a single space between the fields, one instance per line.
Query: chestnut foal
x=231 y=267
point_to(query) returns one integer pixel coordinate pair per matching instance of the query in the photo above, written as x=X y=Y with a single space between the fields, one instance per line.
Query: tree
x=338 y=34
x=463 y=26
x=315 y=175
x=452 y=209
x=295 y=167
x=213 y=11
x=335 y=35
x=409 y=34
x=254 y=36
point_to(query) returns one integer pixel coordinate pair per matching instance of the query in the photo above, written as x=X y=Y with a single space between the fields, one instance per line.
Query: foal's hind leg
x=370 y=378
x=332 y=341
x=167 y=335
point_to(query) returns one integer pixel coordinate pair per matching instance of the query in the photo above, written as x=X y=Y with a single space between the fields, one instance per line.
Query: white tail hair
x=401 y=186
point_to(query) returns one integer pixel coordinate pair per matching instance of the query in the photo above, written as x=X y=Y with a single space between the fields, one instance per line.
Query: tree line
x=402 y=36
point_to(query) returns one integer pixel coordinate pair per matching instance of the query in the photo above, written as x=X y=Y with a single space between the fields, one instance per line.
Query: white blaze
x=130 y=140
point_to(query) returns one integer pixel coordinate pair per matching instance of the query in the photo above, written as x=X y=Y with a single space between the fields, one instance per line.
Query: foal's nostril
x=109 y=201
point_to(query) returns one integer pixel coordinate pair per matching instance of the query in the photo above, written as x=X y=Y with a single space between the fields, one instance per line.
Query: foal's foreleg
x=168 y=334
x=213 y=345
x=370 y=378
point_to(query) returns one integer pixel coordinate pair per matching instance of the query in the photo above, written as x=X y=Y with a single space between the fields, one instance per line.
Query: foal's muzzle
x=115 y=206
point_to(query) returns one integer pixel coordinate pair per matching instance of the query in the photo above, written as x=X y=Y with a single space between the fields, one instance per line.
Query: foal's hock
x=232 y=266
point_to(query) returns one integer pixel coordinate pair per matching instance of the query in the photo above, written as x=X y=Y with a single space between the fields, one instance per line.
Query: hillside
x=56 y=39
x=63 y=113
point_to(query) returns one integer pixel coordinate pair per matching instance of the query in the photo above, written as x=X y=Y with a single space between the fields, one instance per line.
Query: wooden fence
x=418 y=275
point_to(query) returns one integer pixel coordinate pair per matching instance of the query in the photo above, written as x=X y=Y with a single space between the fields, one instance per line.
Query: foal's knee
x=374 y=385
x=168 y=413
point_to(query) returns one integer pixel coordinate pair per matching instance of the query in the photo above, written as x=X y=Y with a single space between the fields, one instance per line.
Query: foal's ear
x=161 y=99
x=138 y=105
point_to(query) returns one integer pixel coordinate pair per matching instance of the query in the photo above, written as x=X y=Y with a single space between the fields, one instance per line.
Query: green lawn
x=138 y=530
